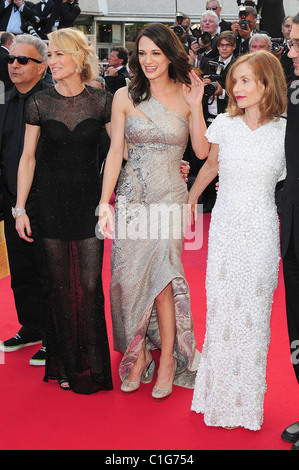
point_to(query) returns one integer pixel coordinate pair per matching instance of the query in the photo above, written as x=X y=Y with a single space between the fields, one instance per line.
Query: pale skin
x=186 y=102
x=248 y=93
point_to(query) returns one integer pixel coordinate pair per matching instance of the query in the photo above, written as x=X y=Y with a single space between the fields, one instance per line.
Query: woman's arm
x=197 y=126
x=25 y=178
x=206 y=174
x=114 y=159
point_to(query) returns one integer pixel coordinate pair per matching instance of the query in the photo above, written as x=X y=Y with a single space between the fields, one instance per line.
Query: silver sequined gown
x=242 y=267
x=146 y=254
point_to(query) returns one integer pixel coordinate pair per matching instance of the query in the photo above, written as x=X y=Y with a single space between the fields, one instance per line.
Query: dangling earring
x=77 y=71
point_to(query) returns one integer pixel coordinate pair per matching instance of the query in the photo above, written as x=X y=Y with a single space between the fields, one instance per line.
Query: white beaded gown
x=242 y=269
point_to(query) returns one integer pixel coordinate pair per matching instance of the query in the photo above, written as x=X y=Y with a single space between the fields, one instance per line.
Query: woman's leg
x=167 y=327
x=142 y=362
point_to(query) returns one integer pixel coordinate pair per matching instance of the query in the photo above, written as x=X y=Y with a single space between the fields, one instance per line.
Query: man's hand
x=112 y=71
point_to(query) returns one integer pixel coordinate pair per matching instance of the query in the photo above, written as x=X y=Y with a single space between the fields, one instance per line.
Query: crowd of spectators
x=38 y=19
x=213 y=46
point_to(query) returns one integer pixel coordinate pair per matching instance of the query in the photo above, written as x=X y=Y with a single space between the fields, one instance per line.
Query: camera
x=277 y=43
x=242 y=21
x=179 y=29
x=198 y=34
x=215 y=71
x=30 y=30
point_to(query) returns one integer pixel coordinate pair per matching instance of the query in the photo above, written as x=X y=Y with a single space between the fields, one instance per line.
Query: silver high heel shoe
x=163 y=393
x=146 y=377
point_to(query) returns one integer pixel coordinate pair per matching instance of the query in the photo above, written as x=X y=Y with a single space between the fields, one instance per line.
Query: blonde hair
x=74 y=42
x=266 y=69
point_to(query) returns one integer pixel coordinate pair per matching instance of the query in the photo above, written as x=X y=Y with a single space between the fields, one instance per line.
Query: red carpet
x=39 y=416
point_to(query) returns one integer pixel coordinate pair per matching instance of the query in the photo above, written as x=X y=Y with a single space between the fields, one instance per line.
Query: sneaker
x=39 y=358
x=15 y=343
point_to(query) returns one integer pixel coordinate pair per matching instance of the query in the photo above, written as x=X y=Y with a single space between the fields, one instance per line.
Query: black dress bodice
x=67 y=173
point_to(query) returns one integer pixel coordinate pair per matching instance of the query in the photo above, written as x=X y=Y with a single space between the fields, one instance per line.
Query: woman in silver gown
x=150 y=301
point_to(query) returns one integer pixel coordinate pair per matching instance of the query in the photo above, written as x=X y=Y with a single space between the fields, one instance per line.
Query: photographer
x=17 y=15
x=244 y=28
x=205 y=50
x=181 y=28
x=216 y=7
x=64 y=13
x=215 y=100
x=44 y=11
x=286 y=62
x=260 y=42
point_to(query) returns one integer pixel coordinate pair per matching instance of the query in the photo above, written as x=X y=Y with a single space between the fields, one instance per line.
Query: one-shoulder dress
x=148 y=240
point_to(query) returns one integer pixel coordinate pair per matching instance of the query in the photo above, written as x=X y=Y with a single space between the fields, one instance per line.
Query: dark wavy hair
x=171 y=46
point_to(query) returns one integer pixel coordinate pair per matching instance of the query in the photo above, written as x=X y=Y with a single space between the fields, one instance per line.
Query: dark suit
x=290 y=219
x=25 y=258
x=221 y=102
x=27 y=15
x=209 y=195
x=272 y=15
x=43 y=13
x=63 y=12
x=4 y=75
x=242 y=47
x=113 y=83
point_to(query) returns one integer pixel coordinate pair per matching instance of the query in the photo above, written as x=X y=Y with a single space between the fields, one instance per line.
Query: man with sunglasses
x=26 y=66
x=215 y=6
x=290 y=219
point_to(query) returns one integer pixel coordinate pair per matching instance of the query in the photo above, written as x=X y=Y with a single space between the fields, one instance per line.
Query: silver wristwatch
x=17 y=211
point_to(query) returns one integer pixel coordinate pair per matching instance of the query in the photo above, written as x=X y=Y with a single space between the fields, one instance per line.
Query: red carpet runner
x=39 y=416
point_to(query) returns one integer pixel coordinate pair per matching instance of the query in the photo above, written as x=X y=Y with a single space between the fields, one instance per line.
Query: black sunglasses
x=22 y=59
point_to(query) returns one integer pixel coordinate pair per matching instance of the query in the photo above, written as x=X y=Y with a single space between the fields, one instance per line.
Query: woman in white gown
x=247 y=148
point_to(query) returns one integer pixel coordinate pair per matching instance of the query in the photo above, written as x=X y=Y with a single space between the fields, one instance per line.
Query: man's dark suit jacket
x=4 y=76
x=119 y=81
x=290 y=197
x=272 y=15
x=43 y=16
x=27 y=14
x=66 y=12
x=9 y=96
x=221 y=103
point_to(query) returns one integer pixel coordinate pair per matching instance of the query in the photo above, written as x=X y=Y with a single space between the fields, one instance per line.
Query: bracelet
x=17 y=211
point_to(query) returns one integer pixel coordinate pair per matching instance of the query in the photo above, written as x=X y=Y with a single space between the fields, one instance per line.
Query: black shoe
x=295 y=446
x=39 y=358
x=15 y=343
x=291 y=433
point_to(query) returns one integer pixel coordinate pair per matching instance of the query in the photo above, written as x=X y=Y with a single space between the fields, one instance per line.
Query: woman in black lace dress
x=66 y=120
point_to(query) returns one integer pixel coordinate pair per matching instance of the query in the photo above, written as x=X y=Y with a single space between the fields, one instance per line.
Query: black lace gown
x=68 y=193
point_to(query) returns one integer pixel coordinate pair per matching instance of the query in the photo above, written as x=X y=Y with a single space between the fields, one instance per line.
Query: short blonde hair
x=267 y=70
x=74 y=42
